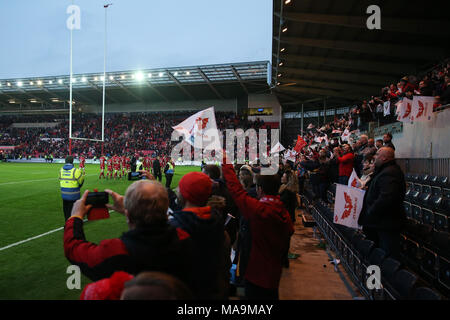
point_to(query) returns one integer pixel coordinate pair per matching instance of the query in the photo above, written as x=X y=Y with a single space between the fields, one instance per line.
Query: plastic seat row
x=426 y=179
x=430 y=197
x=434 y=218
x=357 y=253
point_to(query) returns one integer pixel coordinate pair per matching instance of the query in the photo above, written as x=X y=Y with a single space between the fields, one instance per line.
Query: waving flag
x=386 y=108
x=277 y=148
x=354 y=180
x=404 y=109
x=348 y=205
x=200 y=130
x=300 y=144
x=289 y=155
x=422 y=108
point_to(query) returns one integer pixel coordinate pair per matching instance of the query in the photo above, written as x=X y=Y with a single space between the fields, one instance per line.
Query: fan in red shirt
x=102 y=167
x=123 y=161
x=128 y=163
x=345 y=162
x=109 y=163
x=116 y=165
x=82 y=164
x=146 y=163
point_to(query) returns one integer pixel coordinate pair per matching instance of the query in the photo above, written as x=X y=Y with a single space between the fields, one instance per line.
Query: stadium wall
x=219 y=105
x=424 y=139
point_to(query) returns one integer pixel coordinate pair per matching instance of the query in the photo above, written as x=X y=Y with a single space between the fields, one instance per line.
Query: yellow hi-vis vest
x=170 y=169
x=71 y=179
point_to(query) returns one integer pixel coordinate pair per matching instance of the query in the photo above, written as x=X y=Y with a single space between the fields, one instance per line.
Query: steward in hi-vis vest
x=71 y=180
x=169 y=170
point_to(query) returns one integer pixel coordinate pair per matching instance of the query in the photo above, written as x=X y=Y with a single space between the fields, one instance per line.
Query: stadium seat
x=433 y=180
x=358 y=237
x=416 y=213
x=427 y=217
x=424 y=293
x=444 y=272
x=446 y=201
x=443 y=181
x=409 y=192
x=415 y=193
x=408 y=177
x=413 y=253
x=440 y=222
x=435 y=200
x=429 y=263
x=404 y=282
x=425 y=195
x=415 y=178
x=408 y=209
x=426 y=179
x=388 y=269
x=423 y=178
x=377 y=256
x=441 y=242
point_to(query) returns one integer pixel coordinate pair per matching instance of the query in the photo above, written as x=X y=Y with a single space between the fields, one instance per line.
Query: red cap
x=195 y=187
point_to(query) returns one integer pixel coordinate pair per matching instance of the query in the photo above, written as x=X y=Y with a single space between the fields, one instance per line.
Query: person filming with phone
x=150 y=244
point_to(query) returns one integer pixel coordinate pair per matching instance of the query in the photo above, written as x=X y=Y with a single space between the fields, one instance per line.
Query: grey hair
x=146 y=208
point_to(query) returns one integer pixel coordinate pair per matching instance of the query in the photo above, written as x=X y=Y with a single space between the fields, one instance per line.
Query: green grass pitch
x=31 y=205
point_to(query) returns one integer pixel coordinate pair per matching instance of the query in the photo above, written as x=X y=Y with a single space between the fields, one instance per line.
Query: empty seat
x=416 y=213
x=388 y=269
x=426 y=179
x=427 y=217
x=444 y=272
x=443 y=181
x=434 y=203
x=408 y=210
x=415 y=193
x=408 y=177
x=404 y=282
x=423 y=178
x=433 y=180
x=440 y=222
x=415 y=177
x=424 y=293
x=441 y=242
x=377 y=257
x=425 y=195
x=413 y=253
x=446 y=200
x=429 y=263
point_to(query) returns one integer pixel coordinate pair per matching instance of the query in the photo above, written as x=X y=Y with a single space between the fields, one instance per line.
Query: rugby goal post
x=71 y=137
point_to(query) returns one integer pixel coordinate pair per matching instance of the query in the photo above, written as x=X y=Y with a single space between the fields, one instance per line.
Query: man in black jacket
x=157 y=169
x=382 y=215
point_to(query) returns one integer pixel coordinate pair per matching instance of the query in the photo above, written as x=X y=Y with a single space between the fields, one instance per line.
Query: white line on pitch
x=48 y=179
x=36 y=237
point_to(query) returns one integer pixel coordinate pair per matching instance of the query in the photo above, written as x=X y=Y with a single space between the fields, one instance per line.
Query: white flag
x=200 y=130
x=387 y=108
x=290 y=155
x=422 y=108
x=354 y=181
x=345 y=135
x=404 y=109
x=277 y=148
x=347 y=206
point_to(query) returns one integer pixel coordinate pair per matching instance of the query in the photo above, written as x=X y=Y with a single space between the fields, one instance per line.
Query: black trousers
x=254 y=292
x=169 y=177
x=388 y=240
x=158 y=176
x=67 y=208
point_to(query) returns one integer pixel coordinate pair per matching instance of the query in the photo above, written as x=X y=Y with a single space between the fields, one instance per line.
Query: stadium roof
x=221 y=81
x=323 y=49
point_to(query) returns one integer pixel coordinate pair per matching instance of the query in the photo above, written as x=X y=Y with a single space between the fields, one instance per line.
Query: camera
x=97 y=199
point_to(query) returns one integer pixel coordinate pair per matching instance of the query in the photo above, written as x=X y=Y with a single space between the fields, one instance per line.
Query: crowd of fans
x=125 y=133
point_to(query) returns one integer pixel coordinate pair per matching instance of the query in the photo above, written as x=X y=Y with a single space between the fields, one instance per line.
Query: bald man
x=382 y=215
x=150 y=244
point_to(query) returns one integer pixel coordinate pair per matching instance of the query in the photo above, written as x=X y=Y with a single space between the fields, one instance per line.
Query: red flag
x=300 y=144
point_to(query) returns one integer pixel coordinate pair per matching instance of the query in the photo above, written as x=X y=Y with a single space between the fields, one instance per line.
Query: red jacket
x=346 y=164
x=271 y=228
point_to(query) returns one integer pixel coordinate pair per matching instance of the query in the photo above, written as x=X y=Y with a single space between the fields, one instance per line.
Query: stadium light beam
x=20 y=83
x=139 y=76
